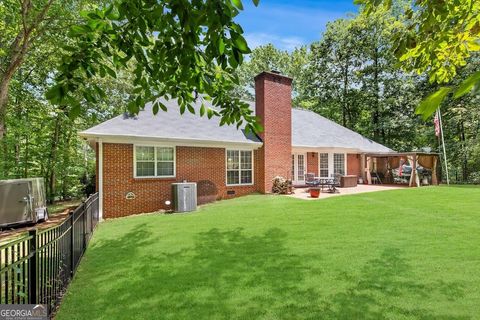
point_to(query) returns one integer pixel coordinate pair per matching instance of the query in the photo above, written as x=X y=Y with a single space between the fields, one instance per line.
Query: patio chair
x=310 y=180
x=335 y=183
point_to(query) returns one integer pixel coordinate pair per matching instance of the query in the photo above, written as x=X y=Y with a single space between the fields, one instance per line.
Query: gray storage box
x=22 y=201
x=184 y=196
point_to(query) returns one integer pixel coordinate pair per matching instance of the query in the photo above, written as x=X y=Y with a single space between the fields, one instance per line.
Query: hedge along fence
x=37 y=268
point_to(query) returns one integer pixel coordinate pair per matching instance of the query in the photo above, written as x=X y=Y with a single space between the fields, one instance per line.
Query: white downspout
x=100 y=179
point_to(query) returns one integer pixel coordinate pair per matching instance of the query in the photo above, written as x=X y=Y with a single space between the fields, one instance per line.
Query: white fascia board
x=128 y=139
x=324 y=149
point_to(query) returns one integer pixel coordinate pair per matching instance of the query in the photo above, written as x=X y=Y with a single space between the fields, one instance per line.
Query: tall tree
x=26 y=23
x=439 y=38
x=377 y=70
x=332 y=71
x=267 y=58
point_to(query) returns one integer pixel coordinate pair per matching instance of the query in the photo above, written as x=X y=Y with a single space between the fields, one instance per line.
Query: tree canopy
x=183 y=50
x=439 y=39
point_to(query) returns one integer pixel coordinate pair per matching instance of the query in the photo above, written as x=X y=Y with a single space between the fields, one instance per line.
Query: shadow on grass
x=230 y=274
x=383 y=280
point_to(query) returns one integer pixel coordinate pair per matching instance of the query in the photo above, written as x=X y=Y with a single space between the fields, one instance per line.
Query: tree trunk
x=376 y=111
x=345 y=92
x=53 y=159
x=17 y=51
x=27 y=146
x=66 y=164
x=465 y=172
x=4 y=85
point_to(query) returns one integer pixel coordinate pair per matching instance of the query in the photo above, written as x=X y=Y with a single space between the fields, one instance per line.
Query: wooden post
x=434 y=171
x=32 y=268
x=363 y=165
x=413 y=181
x=367 y=169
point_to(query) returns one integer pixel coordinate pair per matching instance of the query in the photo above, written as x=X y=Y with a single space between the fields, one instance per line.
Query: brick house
x=143 y=155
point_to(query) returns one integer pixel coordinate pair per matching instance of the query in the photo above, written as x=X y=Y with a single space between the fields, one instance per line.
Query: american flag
x=436 y=121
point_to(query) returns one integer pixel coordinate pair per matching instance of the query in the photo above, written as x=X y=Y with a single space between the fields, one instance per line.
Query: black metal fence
x=37 y=268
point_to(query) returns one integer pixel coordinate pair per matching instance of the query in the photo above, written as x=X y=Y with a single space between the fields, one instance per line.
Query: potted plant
x=314 y=192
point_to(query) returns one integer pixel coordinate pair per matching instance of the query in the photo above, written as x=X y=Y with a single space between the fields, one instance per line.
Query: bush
x=474 y=177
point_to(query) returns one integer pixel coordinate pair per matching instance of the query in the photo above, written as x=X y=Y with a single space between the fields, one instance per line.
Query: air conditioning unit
x=184 y=196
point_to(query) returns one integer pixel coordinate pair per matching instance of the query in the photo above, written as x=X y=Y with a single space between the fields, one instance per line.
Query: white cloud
x=287 y=24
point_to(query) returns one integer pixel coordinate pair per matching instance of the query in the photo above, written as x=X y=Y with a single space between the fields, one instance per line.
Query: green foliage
x=439 y=38
x=268 y=58
x=351 y=78
x=42 y=140
x=178 y=50
x=432 y=102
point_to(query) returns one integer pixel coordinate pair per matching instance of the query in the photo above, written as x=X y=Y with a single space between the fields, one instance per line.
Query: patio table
x=327 y=182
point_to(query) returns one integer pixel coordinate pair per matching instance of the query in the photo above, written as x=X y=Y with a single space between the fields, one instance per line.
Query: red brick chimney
x=273 y=104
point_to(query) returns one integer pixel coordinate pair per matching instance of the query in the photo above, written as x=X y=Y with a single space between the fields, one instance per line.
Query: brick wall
x=273 y=105
x=206 y=166
x=312 y=162
x=353 y=164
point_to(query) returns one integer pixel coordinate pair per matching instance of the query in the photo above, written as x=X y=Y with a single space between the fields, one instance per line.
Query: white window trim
x=239 y=170
x=331 y=166
x=155 y=159
x=320 y=164
x=305 y=164
x=344 y=162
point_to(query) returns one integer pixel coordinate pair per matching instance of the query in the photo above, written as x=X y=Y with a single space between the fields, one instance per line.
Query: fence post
x=72 y=238
x=32 y=268
x=85 y=232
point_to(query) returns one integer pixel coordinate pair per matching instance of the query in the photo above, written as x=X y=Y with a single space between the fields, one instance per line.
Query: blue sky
x=288 y=24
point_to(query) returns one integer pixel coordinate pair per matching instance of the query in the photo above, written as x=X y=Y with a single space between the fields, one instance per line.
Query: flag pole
x=443 y=144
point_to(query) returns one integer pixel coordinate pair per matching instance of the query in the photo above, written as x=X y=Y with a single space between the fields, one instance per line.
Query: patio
x=302 y=193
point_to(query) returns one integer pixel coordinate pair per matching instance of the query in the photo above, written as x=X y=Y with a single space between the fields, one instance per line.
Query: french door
x=298 y=168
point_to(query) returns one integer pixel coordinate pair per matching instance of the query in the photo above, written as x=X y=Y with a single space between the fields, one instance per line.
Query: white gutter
x=100 y=179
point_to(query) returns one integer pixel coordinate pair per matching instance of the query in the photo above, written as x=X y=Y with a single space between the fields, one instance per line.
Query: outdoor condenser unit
x=22 y=201
x=184 y=196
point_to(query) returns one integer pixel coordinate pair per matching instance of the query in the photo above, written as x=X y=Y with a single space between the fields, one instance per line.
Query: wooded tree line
x=350 y=75
x=40 y=139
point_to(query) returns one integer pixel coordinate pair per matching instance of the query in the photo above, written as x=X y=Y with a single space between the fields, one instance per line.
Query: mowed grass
x=402 y=254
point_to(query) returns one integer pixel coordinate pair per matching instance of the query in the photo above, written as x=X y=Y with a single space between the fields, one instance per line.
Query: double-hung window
x=324 y=165
x=154 y=162
x=239 y=167
x=339 y=163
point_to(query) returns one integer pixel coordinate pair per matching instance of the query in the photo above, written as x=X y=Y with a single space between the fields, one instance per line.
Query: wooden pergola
x=386 y=162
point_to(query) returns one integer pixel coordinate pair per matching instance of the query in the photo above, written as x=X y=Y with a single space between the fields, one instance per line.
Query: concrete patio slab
x=302 y=193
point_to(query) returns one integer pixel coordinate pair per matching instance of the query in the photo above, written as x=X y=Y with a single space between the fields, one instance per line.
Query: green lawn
x=402 y=254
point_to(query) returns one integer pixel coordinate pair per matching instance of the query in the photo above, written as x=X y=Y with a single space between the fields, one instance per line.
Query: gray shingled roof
x=308 y=129
x=171 y=125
